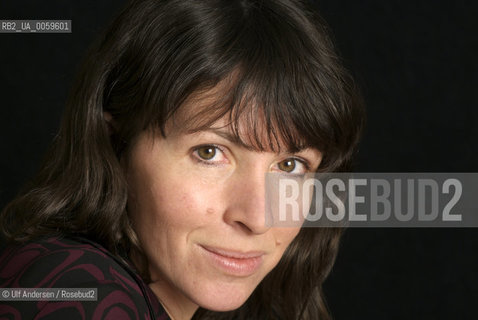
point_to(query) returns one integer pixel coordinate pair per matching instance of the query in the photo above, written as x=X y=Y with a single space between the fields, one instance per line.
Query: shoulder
x=57 y=262
x=74 y=263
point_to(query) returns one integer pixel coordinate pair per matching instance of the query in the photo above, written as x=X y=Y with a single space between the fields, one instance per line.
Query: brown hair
x=154 y=56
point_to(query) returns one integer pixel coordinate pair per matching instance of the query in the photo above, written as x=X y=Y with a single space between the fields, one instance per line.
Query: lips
x=241 y=264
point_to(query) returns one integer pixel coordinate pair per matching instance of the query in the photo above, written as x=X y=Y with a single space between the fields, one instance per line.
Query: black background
x=416 y=64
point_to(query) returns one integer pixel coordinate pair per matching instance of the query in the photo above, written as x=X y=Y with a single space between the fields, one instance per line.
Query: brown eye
x=287 y=165
x=206 y=152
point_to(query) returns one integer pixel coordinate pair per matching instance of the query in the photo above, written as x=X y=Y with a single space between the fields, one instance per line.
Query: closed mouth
x=236 y=263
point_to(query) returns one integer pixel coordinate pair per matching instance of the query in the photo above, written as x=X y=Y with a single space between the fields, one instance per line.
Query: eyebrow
x=236 y=140
x=231 y=138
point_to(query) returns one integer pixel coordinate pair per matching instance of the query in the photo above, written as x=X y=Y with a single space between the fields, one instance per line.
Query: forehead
x=244 y=121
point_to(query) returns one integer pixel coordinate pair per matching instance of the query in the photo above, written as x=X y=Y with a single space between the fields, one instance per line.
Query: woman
x=155 y=183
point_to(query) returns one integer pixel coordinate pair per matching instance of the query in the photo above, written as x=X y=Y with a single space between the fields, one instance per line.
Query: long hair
x=282 y=75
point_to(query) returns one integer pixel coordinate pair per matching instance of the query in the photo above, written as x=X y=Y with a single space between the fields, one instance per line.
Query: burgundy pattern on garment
x=74 y=263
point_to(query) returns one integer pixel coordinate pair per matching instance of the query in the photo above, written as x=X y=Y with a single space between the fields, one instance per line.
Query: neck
x=176 y=305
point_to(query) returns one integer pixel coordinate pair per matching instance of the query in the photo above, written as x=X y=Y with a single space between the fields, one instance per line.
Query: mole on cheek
x=210 y=211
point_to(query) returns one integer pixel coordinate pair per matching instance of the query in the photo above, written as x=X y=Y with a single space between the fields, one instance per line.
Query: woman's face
x=197 y=201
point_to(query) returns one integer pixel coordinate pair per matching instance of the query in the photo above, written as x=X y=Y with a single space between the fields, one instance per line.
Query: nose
x=246 y=207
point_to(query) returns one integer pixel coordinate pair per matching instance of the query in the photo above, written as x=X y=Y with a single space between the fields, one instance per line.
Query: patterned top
x=74 y=263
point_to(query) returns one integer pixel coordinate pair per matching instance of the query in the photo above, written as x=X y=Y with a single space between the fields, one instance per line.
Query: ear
x=109 y=122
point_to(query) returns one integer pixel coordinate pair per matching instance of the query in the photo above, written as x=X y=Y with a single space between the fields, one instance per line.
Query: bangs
x=267 y=72
x=266 y=90
x=241 y=106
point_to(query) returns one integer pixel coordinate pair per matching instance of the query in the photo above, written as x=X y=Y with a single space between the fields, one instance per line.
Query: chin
x=223 y=298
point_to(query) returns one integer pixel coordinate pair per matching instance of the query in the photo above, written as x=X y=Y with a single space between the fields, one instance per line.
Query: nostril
x=246 y=227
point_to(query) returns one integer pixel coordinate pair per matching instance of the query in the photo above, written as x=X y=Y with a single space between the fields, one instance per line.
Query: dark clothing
x=74 y=263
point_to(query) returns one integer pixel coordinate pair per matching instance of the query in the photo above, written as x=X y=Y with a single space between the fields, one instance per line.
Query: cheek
x=166 y=212
x=283 y=238
x=186 y=205
x=176 y=203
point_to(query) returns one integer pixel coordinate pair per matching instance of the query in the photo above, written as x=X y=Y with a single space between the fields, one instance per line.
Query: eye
x=209 y=154
x=293 y=166
x=206 y=152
